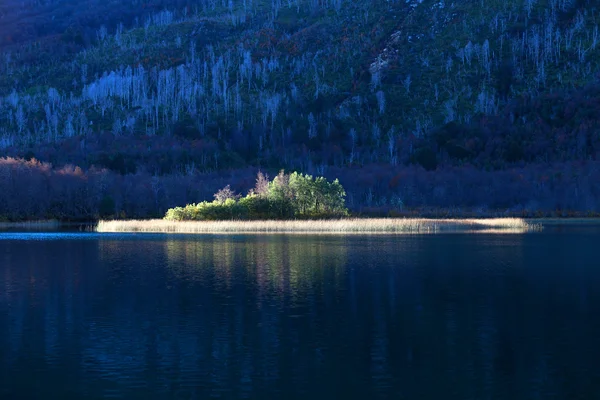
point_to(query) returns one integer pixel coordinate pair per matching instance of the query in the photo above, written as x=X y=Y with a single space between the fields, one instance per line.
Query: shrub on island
x=293 y=196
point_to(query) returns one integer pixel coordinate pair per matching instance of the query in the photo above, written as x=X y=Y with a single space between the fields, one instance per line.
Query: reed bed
x=348 y=225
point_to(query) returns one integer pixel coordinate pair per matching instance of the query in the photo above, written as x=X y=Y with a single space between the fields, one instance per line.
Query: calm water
x=456 y=316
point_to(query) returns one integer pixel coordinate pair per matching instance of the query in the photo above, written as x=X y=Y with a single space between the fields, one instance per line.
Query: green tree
x=280 y=196
x=335 y=202
x=301 y=187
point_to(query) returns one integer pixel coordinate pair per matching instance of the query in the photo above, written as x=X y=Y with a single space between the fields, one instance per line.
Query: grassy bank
x=375 y=225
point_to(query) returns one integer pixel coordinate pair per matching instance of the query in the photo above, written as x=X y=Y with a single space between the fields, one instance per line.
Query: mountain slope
x=311 y=85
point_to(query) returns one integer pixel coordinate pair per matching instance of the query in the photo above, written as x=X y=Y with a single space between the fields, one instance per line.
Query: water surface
x=455 y=316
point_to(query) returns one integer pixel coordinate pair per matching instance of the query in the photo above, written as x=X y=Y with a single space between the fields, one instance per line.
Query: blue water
x=456 y=316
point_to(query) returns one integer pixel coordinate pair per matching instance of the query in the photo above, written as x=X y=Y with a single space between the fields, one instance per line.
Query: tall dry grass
x=375 y=225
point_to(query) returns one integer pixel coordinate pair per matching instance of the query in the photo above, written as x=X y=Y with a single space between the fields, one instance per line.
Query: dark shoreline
x=47 y=226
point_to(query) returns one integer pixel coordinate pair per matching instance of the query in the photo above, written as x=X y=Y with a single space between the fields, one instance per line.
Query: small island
x=295 y=203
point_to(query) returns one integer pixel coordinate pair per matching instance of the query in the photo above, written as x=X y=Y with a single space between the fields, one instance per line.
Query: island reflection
x=299 y=316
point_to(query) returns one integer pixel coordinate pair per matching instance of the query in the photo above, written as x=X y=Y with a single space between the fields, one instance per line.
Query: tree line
x=31 y=190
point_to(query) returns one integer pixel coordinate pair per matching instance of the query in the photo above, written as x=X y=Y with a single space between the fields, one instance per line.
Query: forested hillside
x=475 y=105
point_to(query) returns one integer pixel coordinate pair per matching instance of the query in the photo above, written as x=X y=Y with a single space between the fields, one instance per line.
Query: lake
x=443 y=316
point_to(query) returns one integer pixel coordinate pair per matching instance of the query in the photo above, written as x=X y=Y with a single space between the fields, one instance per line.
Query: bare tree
x=225 y=194
x=262 y=184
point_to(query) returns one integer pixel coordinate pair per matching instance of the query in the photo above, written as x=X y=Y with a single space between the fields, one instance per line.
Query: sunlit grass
x=374 y=225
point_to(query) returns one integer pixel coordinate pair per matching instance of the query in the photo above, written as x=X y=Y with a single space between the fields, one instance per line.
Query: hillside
x=380 y=92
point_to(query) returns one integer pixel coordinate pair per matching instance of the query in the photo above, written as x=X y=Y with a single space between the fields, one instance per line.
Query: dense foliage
x=287 y=196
